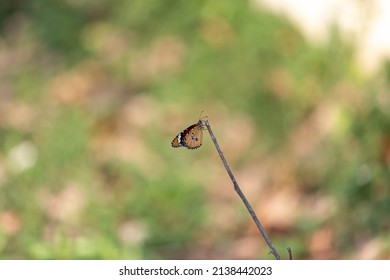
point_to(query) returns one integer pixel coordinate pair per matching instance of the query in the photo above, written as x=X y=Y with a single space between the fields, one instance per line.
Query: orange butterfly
x=191 y=137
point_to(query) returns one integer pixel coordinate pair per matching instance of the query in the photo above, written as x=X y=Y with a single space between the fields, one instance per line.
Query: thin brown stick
x=290 y=257
x=242 y=196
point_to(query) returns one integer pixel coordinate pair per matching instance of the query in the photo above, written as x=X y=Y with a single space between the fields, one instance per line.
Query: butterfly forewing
x=175 y=142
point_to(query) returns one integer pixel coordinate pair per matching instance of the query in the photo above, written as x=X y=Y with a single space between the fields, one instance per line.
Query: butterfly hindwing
x=191 y=137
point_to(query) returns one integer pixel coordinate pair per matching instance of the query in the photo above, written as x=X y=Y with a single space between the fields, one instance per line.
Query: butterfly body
x=190 y=138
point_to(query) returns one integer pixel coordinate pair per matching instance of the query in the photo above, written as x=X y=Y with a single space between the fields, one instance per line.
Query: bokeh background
x=92 y=93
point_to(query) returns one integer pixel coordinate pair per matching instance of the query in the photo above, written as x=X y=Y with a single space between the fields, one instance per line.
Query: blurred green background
x=93 y=92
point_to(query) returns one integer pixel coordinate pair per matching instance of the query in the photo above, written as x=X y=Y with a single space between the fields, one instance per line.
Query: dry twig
x=243 y=198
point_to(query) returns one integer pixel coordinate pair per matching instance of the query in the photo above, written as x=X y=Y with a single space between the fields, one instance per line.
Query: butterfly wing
x=176 y=141
x=191 y=137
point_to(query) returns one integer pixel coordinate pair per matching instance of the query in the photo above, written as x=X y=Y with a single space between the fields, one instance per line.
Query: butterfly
x=191 y=137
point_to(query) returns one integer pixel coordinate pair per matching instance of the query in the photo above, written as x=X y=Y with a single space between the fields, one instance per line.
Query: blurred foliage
x=92 y=92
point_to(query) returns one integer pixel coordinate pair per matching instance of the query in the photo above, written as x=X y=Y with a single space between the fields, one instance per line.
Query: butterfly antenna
x=200 y=115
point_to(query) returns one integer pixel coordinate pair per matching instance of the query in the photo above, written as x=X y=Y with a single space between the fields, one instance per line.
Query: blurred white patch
x=132 y=232
x=366 y=23
x=22 y=157
x=66 y=206
x=369 y=250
